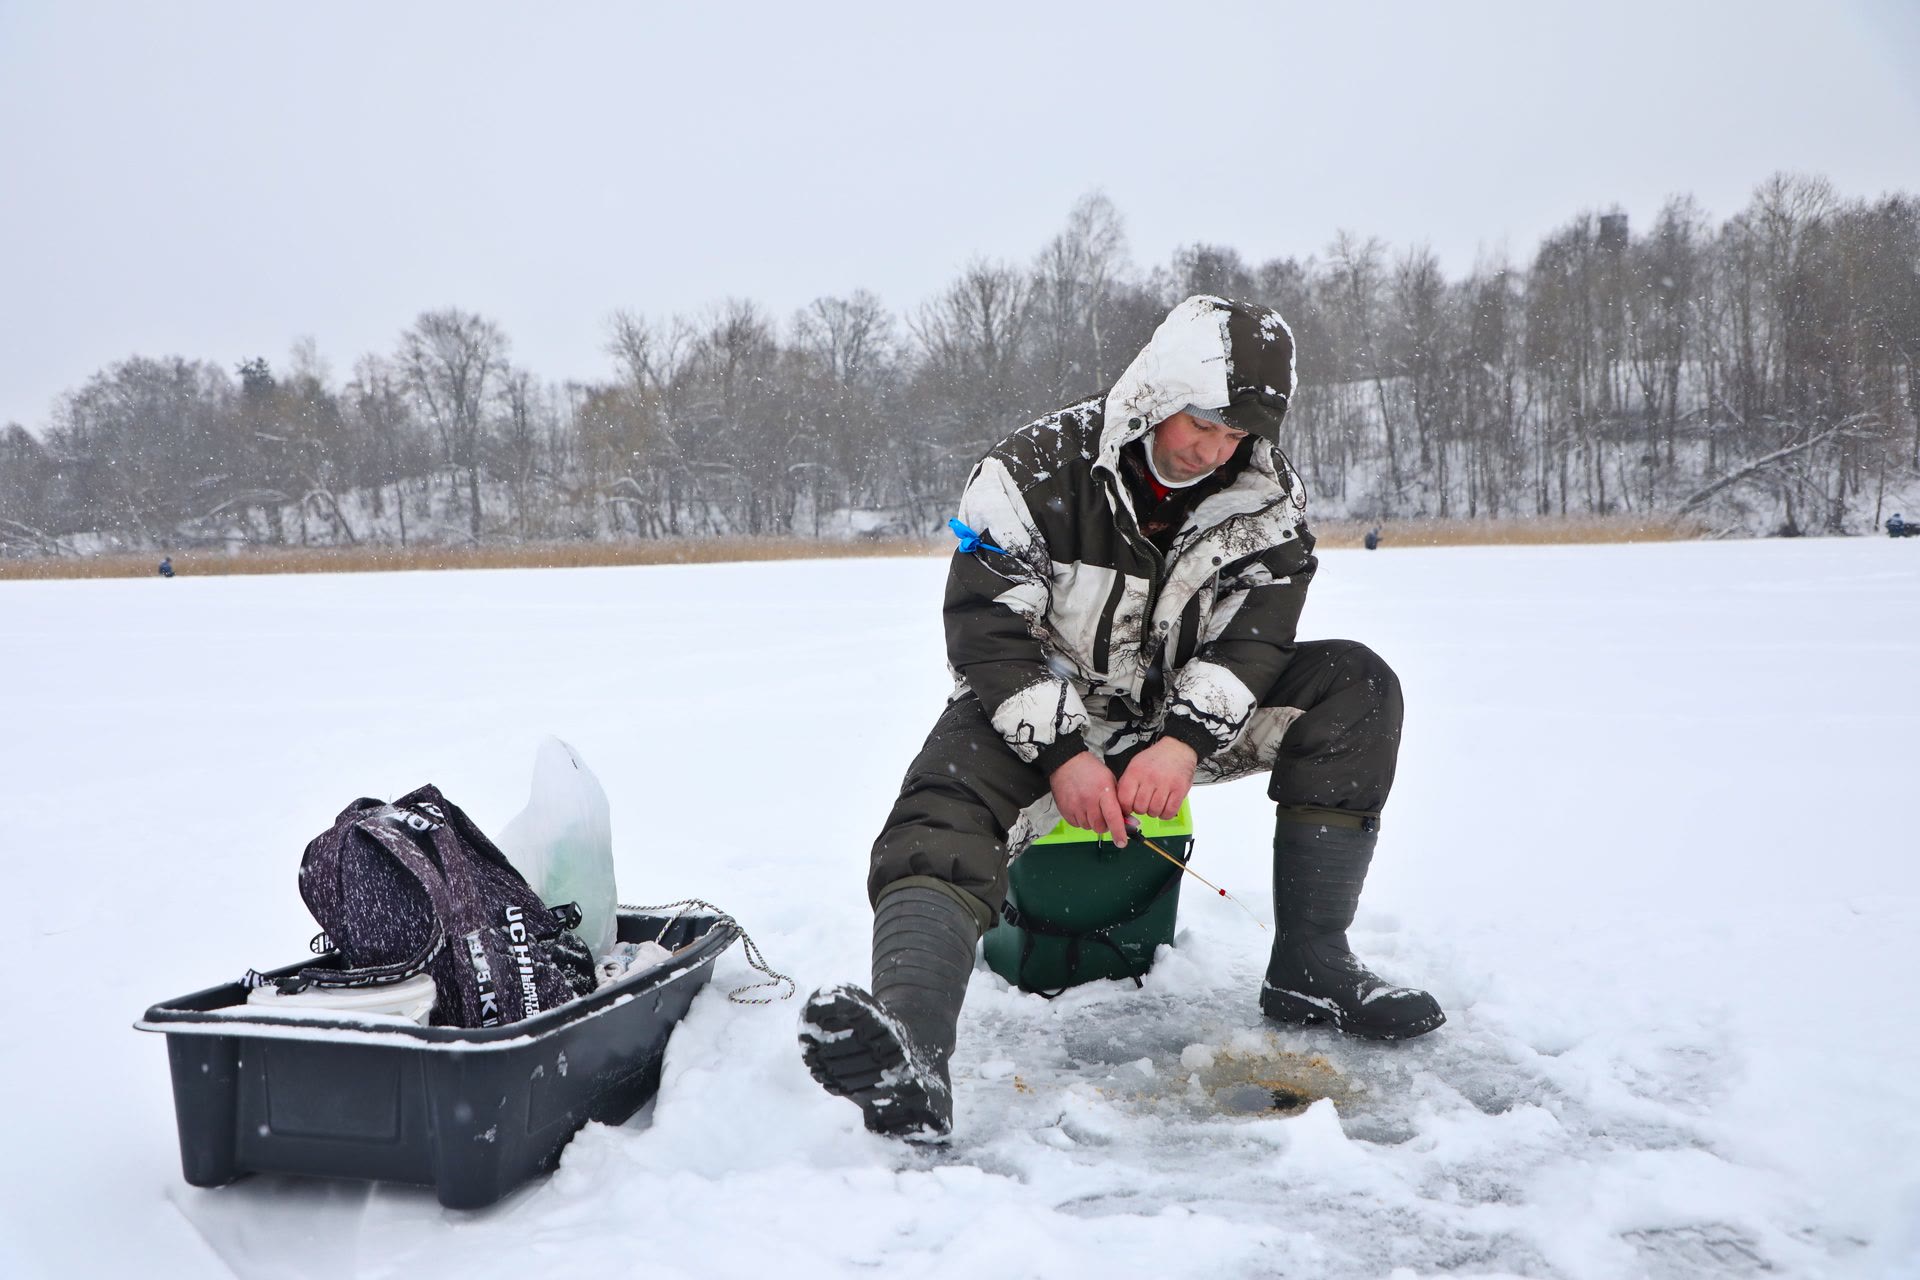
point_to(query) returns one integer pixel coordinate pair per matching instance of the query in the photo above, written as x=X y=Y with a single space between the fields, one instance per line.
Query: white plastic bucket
x=411 y=1000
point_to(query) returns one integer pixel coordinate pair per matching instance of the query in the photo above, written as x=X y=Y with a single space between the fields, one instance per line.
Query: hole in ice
x=1275 y=1081
x=1254 y=1082
x=1250 y=1099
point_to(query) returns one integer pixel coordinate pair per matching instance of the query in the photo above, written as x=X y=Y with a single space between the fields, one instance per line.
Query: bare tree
x=972 y=333
x=455 y=362
x=845 y=363
x=851 y=337
x=744 y=439
x=1663 y=314
x=392 y=450
x=1073 y=282
x=1356 y=278
x=650 y=417
x=521 y=442
x=26 y=496
x=1423 y=357
x=972 y=385
x=1207 y=268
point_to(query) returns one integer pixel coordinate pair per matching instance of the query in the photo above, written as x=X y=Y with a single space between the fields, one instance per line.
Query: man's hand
x=1083 y=788
x=1158 y=779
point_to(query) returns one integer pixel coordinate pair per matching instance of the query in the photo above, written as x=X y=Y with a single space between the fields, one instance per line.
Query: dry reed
x=536 y=555
x=1512 y=531
x=572 y=555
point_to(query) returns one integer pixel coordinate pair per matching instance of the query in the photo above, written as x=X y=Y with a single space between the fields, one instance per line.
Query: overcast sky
x=218 y=180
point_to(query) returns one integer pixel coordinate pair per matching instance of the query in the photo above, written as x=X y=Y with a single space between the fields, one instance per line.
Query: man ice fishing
x=1120 y=620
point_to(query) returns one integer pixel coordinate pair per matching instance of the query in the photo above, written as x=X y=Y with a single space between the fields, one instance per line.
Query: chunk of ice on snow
x=1196 y=1057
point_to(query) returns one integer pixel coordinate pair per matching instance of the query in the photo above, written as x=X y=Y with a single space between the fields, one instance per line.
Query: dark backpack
x=414 y=886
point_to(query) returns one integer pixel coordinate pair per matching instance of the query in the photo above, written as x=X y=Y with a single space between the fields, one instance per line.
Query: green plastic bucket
x=1080 y=909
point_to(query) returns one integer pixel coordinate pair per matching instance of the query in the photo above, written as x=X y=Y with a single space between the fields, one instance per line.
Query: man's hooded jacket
x=1076 y=631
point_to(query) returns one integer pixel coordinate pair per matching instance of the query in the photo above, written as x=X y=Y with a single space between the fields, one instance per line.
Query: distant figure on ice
x=1898 y=528
x=1372 y=540
x=1120 y=619
x=166 y=566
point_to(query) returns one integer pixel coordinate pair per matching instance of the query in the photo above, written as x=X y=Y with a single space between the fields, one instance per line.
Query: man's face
x=1186 y=448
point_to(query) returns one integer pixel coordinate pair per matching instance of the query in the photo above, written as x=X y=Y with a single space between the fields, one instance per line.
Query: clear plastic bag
x=562 y=842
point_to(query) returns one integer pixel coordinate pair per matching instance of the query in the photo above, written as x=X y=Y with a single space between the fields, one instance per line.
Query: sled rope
x=1202 y=879
x=755 y=960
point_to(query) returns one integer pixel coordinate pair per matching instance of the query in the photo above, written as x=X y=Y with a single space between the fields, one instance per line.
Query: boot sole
x=1292 y=1007
x=855 y=1050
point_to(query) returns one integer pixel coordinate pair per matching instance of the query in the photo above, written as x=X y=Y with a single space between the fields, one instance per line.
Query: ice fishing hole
x=1251 y=1099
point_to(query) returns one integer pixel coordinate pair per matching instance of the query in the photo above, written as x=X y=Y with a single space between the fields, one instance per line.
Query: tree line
x=1762 y=374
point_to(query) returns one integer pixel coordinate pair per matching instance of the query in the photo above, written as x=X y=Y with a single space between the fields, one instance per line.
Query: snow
x=1652 y=847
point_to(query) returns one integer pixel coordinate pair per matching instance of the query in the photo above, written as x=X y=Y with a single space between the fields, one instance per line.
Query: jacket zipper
x=1153 y=553
x=1103 y=634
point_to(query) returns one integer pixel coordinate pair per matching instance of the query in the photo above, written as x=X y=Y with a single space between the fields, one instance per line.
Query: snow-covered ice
x=1653 y=847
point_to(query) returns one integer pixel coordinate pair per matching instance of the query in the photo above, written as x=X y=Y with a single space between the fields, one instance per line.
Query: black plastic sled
x=472 y=1113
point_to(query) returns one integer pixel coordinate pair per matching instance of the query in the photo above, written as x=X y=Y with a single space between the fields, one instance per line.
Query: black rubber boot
x=888 y=1050
x=1319 y=868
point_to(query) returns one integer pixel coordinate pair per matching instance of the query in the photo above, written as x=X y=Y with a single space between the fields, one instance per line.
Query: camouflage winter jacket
x=1073 y=629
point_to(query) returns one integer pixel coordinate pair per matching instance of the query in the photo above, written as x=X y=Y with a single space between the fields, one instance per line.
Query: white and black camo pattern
x=1099 y=628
